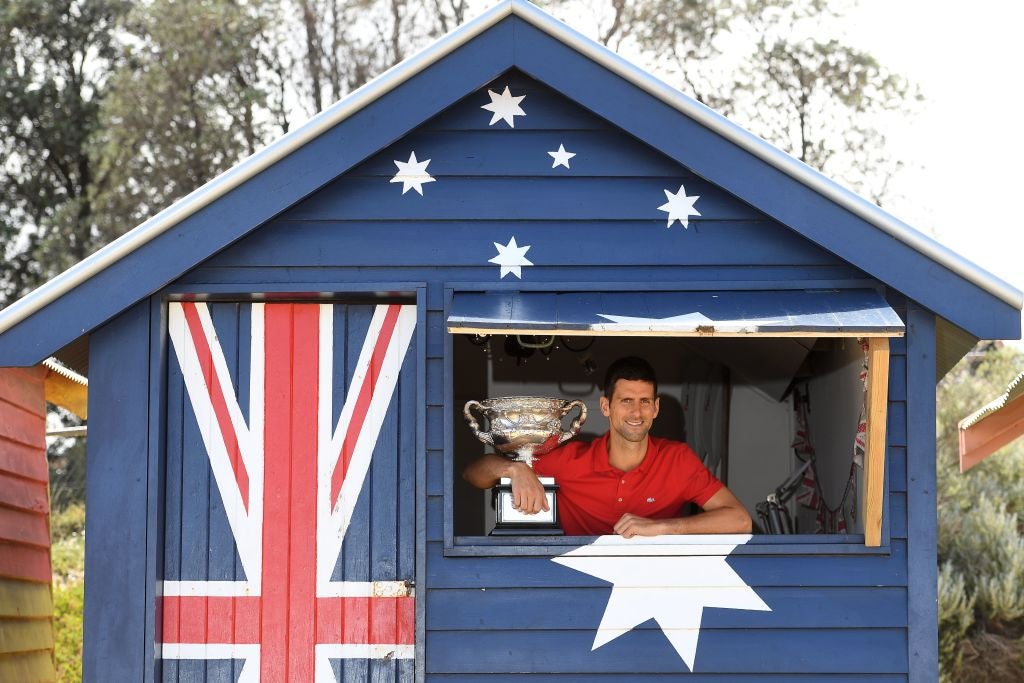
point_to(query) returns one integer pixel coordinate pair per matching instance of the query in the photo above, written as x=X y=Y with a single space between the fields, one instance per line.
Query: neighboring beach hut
x=994 y=425
x=279 y=361
x=26 y=599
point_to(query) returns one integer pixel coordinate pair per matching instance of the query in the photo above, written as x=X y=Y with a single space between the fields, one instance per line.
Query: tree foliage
x=55 y=56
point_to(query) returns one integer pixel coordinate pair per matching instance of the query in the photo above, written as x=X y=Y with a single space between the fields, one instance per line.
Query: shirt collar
x=600 y=456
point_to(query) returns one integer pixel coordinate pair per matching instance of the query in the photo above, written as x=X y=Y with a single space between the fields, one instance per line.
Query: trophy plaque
x=524 y=428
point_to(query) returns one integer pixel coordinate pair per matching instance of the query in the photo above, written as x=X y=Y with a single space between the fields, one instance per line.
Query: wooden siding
x=26 y=601
x=496 y=615
x=203 y=542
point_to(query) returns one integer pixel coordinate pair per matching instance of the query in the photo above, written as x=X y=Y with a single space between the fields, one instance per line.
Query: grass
x=68 y=557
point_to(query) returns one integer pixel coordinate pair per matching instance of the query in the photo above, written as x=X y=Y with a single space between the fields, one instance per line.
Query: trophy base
x=512 y=522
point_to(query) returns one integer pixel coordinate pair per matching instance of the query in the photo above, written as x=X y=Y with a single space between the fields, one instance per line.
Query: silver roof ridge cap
x=401 y=72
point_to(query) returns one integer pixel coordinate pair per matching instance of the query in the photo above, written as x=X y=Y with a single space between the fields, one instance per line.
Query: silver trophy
x=524 y=428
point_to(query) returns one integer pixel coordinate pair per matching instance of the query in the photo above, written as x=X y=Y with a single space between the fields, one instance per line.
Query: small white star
x=655 y=581
x=561 y=157
x=504 y=107
x=412 y=174
x=511 y=257
x=679 y=207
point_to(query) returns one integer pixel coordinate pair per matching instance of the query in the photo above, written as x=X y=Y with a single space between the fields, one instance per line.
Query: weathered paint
x=26 y=602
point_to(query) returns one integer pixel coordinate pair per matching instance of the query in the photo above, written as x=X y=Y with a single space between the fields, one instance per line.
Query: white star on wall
x=561 y=157
x=412 y=174
x=504 y=107
x=651 y=579
x=679 y=207
x=511 y=257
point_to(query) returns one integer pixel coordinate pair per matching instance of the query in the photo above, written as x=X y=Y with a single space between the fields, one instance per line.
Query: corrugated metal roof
x=1013 y=391
x=405 y=70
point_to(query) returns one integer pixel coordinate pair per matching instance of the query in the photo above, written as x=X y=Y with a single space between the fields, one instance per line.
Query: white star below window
x=511 y=257
x=679 y=207
x=412 y=174
x=652 y=579
x=561 y=157
x=504 y=107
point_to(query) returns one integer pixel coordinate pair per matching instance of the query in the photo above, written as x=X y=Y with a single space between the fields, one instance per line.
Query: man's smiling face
x=631 y=409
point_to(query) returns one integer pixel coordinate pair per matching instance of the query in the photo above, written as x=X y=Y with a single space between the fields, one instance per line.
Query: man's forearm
x=719 y=521
x=485 y=471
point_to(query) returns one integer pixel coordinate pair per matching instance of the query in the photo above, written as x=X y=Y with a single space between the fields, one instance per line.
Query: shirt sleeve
x=551 y=464
x=700 y=484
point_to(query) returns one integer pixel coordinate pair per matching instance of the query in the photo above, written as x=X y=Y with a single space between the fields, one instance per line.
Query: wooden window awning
x=776 y=313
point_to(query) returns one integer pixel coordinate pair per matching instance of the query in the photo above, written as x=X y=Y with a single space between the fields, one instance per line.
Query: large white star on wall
x=679 y=207
x=412 y=174
x=561 y=157
x=511 y=257
x=652 y=579
x=504 y=107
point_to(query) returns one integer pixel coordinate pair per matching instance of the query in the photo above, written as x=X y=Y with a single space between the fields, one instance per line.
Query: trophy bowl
x=524 y=427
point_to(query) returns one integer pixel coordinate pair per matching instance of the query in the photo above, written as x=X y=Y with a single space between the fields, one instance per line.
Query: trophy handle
x=473 y=425
x=574 y=428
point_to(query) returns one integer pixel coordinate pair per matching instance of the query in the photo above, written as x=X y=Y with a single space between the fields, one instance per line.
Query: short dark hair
x=631 y=368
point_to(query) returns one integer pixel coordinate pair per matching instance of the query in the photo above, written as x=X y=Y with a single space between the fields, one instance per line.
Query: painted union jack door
x=289 y=505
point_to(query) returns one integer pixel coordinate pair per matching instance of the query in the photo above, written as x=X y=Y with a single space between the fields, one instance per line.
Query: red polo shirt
x=593 y=495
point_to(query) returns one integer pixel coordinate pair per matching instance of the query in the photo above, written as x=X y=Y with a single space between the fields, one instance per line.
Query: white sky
x=966 y=142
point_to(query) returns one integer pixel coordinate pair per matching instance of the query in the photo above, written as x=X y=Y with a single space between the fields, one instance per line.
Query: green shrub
x=67 y=626
x=956 y=615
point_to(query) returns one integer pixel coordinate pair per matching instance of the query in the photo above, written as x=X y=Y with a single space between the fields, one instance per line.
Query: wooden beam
x=874 y=458
x=988 y=435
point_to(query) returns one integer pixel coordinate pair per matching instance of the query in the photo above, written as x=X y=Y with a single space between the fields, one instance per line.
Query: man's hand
x=527 y=491
x=630 y=525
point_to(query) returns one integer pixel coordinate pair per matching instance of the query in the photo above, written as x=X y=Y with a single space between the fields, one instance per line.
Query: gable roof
x=517 y=34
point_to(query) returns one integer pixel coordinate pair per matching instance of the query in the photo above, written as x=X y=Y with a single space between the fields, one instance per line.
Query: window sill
x=759 y=544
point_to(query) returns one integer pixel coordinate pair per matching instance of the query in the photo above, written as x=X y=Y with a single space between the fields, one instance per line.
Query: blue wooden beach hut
x=278 y=363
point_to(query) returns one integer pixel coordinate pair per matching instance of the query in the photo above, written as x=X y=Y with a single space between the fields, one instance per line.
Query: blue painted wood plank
x=484 y=198
x=600 y=677
x=435 y=427
x=435 y=472
x=545 y=109
x=513 y=609
x=896 y=429
x=897 y=377
x=509 y=152
x=420 y=574
x=727 y=651
x=772 y=191
x=897 y=467
x=757 y=570
x=897 y=504
x=471 y=243
x=435 y=372
x=313 y=280
x=155 y=486
x=115 y=646
x=921 y=513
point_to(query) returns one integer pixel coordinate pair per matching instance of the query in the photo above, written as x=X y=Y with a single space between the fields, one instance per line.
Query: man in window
x=625 y=482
